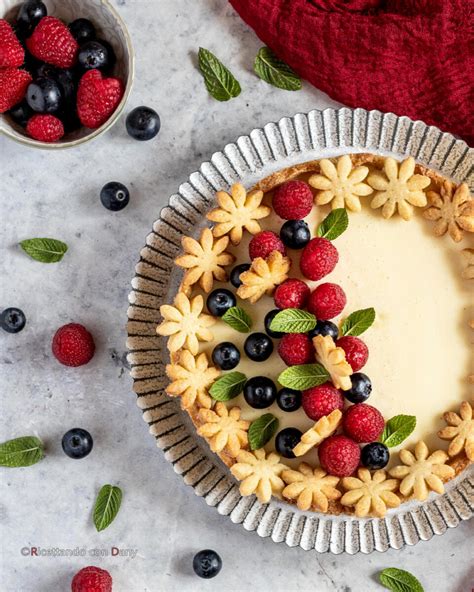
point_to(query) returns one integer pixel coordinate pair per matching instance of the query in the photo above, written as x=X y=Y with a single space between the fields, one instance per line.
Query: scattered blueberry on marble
x=207 y=564
x=77 y=443
x=94 y=55
x=289 y=399
x=235 y=274
x=258 y=347
x=114 y=196
x=375 y=456
x=143 y=123
x=44 y=95
x=268 y=321
x=295 y=234
x=12 y=320
x=325 y=328
x=360 y=389
x=260 y=392
x=226 y=355
x=286 y=440
x=82 y=30
x=219 y=301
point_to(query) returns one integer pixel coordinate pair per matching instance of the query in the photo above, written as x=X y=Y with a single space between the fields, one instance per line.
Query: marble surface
x=55 y=194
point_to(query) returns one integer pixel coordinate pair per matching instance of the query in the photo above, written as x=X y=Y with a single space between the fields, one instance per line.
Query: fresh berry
x=322 y=400
x=258 y=347
x=92 y=579
x=114 y=196
x=271 y=314
x=97 y=98
x=293 y=200
x=260 y=392
x=318 y=258
x=288 y=399
x=295 y=234
x=296 y=349
x=12 y=54
x=93 y=55
x=12 y=320
x=143 y=123
x=20 y=113
x=13 y=85
x=375 y=456
x=110 y=51
x=357 y=353
x=52 y=42
x=325 y=328
x=45 y=128
x=286 y=440
x=219 y=301
x=235 y=274
x=65 y=79
x=360 y=389
x=292 y=293
x=263 y=243
x=73 y=345
x=82 y=30
x=30 y=14
x=77 y=443
x=44 y=95
x=207 y=564
x=225 y=355
x=339 y=455
x=327 y=301
x=362 y=423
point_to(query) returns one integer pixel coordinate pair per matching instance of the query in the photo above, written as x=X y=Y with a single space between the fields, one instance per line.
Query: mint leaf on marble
x=228 y=386
x=397 y=429
x=293 y=320
x=21 y=452
x=45 y=250
x=107 y=506
x=358 y=322
x=334 y=224
x=399 y=580
x=274 y=71
x=262 y=430
x=304 y=376
x=219 y=81
x=238 y=319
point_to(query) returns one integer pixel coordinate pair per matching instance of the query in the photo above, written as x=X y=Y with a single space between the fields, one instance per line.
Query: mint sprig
x=262 y=430
x=334 y=224
x=107 y=506
x=45 y=250
x=304 y=376
x=228 y=386
x=399 y=580
x=21 y=452
x=397 y=429
x=274 y=71
x=293 y=320
x=238 y=319
x=220 y=82
x=358 y=322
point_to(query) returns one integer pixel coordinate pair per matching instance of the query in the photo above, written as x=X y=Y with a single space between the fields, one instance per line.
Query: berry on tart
x=286 y=440
x=264 y=243
x=234 y=276
x=292 y=293
x=293 y=200
x=360 y=389
x=260 y=392
x=258 y=347
x=357 y=353
x=375 y=456
x=327 y=301
x=318 y=259
x=295 y=234
x=295 y=349
x=321 y=400
x=219 y=301
x=289 y=399
x=226 y=355
x=339 y=455
x=363 y=423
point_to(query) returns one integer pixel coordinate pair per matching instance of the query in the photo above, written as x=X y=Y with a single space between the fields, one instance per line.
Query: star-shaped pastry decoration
x=370 y=494
x=460 y=430
x=259 y=474
x=322 y=429
x=334 y=360
x=263 y=276
x=224 y=429
x=468 y=272
x=311 y=488
x=452 y=209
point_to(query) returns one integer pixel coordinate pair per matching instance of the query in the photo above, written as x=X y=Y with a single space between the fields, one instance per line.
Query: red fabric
x=410 y=57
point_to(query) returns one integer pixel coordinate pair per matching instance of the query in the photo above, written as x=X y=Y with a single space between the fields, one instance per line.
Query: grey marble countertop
x=56 y=194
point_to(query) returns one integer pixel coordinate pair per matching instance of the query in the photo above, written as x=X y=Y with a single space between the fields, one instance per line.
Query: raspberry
x=321 y=400
x=73 y=345
x=97 y=98
x=363 y=423
x=92 y=579
x=13 y=85
x=357 y=353
x=53 y=43
x=263 y=243
x=318 y=258
x=327 y=301
x=295 y=349
x=12 y=53
x=293 y=200
x=339 y=456
x=292 y=293
x=45 y=128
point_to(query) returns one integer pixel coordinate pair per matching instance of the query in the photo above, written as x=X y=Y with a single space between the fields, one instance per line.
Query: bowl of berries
x=66 y=70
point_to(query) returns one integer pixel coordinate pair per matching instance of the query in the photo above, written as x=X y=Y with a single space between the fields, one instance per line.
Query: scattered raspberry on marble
x=73 y=345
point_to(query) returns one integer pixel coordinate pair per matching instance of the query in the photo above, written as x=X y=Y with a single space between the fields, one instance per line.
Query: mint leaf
x=397 y=429
x=334 y=224
x=304 y=376
x=238 y=319
x=228 y=386
x=293 y=320
x=21 y=452
x=399 y=580
x=262 y=430
x=272 y=70
x=46 y=250
x=358 y=322
x=220 y=82
x=107 y=506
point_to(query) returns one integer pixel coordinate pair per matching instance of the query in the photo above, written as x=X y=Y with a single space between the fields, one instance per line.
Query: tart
x=320 y=340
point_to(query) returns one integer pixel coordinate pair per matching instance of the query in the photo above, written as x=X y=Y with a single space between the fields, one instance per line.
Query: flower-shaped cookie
x=334 y=360
x=237 y=211
x=322 y=429
x=340 y=185
x=263 y=276
x=191 y=378
x=398 y=187
x=224 y=429
x=460 y=430
x=468 y=272
x=259 y=473
x=370 y=494
x=204 y=260
x=421 y=471
x=185 y=324
x=310 y=488
x=452 y=210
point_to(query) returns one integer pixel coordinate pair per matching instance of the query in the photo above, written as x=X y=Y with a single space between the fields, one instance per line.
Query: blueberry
x=258 y=347
x=375 y=456
x=44 y=95
x=325 y=328
x=12 y=320
x=219 y=301
x=268 y=321
x=260 y=392
x=143 y=123
x=289 y=399
x=30 y=14
x=20 y=113
x=295 y=234
x=207 y=564
x=82 y=30
x=67 y=82
x=235 y=274
x=114 y=196
x=93 y=55
x=286 y=440
x=360 y=389
x=226 y=356
x=77 y=443
x=110 y=52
